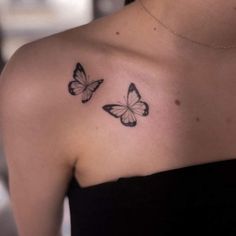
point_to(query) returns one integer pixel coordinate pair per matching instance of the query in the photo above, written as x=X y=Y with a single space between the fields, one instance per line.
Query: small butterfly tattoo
x=81 y=85
x=133 y=106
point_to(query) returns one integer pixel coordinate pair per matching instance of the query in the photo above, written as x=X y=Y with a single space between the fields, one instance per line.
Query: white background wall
x=25 y=20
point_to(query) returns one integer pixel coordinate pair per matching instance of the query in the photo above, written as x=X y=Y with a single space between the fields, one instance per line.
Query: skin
x=49 y=135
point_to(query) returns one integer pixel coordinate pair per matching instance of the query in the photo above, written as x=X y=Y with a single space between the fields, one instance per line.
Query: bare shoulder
x=37 y=117
x=34 y=84
x=40 y=81
x=49 y=62
x=41 y=121
x=34 y=88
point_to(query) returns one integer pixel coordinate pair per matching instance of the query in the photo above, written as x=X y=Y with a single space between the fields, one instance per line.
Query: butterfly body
x=81 y=85
x=127 y=112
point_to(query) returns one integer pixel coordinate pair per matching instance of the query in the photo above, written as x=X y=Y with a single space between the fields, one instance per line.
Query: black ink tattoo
x=127 y=112
x=81 y=85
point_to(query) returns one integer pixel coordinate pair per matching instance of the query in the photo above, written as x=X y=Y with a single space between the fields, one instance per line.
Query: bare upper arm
x=34 y=144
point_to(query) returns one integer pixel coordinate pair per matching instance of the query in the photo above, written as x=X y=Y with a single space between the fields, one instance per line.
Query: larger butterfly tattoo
x=81 y=85
x=133 y=106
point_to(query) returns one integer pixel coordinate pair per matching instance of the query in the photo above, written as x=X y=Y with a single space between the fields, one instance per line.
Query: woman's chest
x=191 y=120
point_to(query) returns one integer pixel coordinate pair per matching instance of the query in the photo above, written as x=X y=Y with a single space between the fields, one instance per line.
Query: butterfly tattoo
x=133 y=106
x=81 y=85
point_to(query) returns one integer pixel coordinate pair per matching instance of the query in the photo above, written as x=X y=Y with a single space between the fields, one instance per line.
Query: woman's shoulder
x=34 y=95
x=53 y=54
x=36 y=78
x=38 y=75
x=48 y=60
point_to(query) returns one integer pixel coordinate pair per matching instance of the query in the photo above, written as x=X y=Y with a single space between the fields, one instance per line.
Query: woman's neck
x=211 y=22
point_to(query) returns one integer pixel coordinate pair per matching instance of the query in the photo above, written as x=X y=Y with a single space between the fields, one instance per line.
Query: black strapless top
x=195 y=200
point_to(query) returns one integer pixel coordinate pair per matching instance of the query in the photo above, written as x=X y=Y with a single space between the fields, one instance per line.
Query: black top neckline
x=135 y=178
x=191 y=200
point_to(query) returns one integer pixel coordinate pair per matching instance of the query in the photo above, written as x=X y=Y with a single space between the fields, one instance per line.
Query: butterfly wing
x=90 y=89
x=141 y=108
x=133 y=101
x=80 y=81
x=115 y=110
x=75 y=88
x=128 y=119
x=133 y=95
x=126 y=116
x=80 y=75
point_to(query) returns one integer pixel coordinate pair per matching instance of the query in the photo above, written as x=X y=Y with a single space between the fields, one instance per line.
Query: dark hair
x=128 y=1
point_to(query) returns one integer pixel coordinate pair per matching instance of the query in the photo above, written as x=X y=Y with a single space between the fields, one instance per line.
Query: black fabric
x=194 y=200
